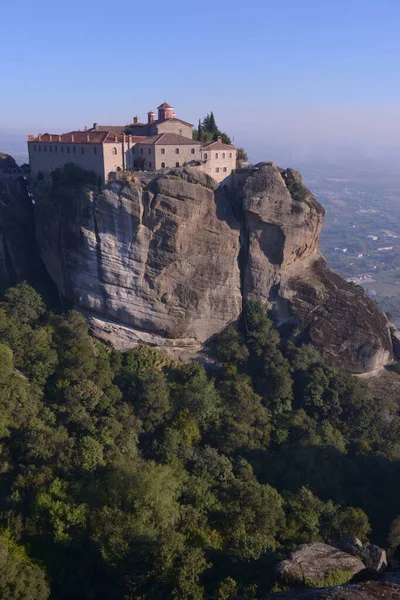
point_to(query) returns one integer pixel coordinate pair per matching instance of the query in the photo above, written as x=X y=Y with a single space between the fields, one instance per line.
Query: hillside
x=171 y=260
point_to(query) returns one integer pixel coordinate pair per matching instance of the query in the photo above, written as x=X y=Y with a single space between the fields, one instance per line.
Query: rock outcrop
x=170 y=260
x=373 y=557
x=311 y=302
x=154 y=263
x=314 y=563
x=19 y=256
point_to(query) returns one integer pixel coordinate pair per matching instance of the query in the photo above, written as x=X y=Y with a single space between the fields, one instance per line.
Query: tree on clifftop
x=208 y=130
x=241 y=157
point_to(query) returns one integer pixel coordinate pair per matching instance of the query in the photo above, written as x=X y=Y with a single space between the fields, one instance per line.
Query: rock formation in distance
x=170 y=260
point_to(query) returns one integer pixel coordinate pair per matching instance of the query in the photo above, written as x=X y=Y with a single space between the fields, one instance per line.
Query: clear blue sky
x=314 y=69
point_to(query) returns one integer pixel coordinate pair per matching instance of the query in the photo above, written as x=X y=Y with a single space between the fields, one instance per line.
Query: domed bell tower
x=165 y=111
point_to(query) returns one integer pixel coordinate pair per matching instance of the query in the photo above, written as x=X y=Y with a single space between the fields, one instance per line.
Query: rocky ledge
x=171 y=259
x=350 y=571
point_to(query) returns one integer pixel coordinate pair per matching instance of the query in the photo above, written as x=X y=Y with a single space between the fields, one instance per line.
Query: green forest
x=136 y=477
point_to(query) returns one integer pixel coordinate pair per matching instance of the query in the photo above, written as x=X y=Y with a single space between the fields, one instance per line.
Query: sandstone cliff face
x=284 y=266
x=159 y=259
x=19 y=258
x=171 y=260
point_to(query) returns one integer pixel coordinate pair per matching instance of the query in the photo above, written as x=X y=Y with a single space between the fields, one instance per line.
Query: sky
x=302 y=74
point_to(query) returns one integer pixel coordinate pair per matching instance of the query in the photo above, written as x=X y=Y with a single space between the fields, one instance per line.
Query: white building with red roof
x=162 y=143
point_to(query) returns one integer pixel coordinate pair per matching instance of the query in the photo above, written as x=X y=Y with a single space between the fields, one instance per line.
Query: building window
x=62 y=148
x=149 y=164
x=217 y=169
x=68 y=150
x=176 y=150
x=94 y=149
x=40 y=148
x=163 y=165
x=74 y=149
x=115 y=151
x=141 y=150
x=34 y=148
x=230 y=154
x=223 y=155
x=205 y=156
x=50 y=148
x=192 y=150
x=216 y=155
x=224 y=169
x=149 y=150
x=56 y=149
x=82 y=150
x=177 y=164
x=162 y=150
x=45 y=148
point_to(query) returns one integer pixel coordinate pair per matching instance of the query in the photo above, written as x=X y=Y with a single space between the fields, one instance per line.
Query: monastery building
x=162 y=143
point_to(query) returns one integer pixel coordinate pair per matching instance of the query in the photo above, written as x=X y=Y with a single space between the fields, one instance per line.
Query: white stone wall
x=219 y=164
x=173 y=127
x=47 y=156
x=171 y=158
x=154 y=157
x=113 y=158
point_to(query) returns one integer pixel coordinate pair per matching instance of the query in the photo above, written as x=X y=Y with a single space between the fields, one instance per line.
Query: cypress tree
x=212 y=126
x=199 y=131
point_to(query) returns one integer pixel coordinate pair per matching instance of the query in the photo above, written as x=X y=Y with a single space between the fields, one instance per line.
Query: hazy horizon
x=284 y=80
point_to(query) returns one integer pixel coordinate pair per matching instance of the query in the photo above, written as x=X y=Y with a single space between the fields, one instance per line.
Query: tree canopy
x=134 y=476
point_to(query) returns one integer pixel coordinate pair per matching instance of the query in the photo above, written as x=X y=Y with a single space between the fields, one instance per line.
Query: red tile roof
x=80 y=137
x=164 y=105
x=168 y=139
x=218 y=146
x=114 y=128
x=173 y=139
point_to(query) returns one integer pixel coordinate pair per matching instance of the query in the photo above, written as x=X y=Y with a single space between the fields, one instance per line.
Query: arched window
x=162 y=150
x=115 y=151
x=163 y=165
x=40 y=148
x=56 y=149
x=192 y=150
x=68 y=150
x=216 y=155
x=176 y=150
x=82 y=150
x=45 y=148
x=177 y=164
x=74 y=149
x=50 y=148
x=205 y=156
x=149 y=150
x=223 y=155
x=141 y=150
x=62 y=148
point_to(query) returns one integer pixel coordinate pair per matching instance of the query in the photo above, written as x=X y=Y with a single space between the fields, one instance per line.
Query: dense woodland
x=135 y=477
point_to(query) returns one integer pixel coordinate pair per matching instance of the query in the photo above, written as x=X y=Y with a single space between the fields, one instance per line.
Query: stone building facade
x=158 y=144
x=219 y=160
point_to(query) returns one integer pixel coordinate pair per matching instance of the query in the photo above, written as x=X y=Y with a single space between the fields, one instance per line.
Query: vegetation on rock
x=133 y=476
